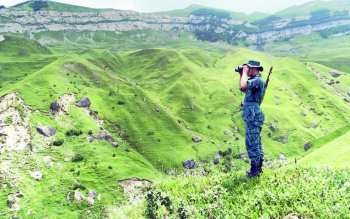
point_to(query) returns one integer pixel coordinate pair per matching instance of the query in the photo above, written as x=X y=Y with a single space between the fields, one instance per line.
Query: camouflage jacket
x=255 y=92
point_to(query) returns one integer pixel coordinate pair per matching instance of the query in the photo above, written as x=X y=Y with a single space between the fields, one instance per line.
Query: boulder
x=55 y=106
x=157 y=110
x=217 y=156
x=78 y=196
x=121 y=134
x=276 y=120
x=330 y=82
x=90 y=139
x=327 y=118
x=348 y=91
x=172 y=173
x=109 y=138
x=92 y=194
x=272 y=127
x=36 y=175
x=193 y=106
x=307 y=146
x=84 y=102
x=282 y=156
x=227 y=132
x=47 y=131
x=115 y=144
x=302 y=113
x=233 y=164
x=267 y=123
x=189 y=164
x=90 y=200
x=314 y=125
x=197 y=139
x=270 y=165
x=277 y=96
x=334 y=74
x=282 y=139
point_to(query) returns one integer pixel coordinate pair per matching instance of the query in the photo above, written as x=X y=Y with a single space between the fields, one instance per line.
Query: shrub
x=77 y=158
x=58 y=142
x=73 y=133
x=79 y=186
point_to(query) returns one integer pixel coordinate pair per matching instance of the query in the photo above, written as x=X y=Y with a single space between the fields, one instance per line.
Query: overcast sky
x=247 y=6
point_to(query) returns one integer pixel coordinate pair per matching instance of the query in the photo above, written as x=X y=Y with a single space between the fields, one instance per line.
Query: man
x=252 y=114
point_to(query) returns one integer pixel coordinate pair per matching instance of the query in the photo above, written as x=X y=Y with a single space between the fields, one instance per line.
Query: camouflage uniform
x=254 y=117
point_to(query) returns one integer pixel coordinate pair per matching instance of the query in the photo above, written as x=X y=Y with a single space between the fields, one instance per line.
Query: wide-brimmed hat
x=255 y=64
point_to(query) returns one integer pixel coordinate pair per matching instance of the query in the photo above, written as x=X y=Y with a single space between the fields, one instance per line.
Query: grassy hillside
x=146 y=94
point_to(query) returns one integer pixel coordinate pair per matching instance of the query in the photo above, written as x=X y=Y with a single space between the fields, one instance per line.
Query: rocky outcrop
x=190 y=164
x=47 y=131
x=84 y=102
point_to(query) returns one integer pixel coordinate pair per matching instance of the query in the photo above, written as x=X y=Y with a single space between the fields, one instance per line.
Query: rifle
x=268 y=78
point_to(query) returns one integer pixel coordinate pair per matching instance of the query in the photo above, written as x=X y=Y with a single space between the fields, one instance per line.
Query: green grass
x=170 y=80
x=298 y=191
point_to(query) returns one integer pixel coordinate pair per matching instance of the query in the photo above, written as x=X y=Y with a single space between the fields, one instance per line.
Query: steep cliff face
x=268 y=29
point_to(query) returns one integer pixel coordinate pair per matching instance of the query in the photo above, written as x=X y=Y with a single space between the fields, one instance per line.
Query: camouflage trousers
x=254 y=119
x=253 y=142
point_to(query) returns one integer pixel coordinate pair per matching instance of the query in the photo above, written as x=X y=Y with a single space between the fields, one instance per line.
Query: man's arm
x=243 y=78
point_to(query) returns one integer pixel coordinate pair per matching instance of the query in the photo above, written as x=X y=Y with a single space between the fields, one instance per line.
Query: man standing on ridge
x=252 y=114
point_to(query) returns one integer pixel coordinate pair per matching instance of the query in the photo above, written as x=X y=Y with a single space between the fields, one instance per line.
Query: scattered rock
x=322 y=98
x=290 y=216
x=217 y=156
x=283 y=73
x=193 y=106
x=190 y=164
x=92 y=194
x=10 y=155
x=121 y=103
x=47 y=131
x=277 y=96
x=197 y=139
x=219 y=146
x=121 y=134
x=55 y=106
x=115 y=144
x=269 y=164
x=314 y=125
x=47 y=160
x=310 y=95
x=267 y=123
x=272 y=127
x=66 y=159
x=276 y=120
x=302 y=113
x=282 y=156
x=87 y=84
x=334 y=74
x=280 y=89
x=307 y=146
x=282 y=139
x=330 y=82
x=36 y=175
x=99 y=197
x=157 y=110
x=348 y=91
x=227 y=132
x=84 y=102
x=90 y=139
x=233 y=164
x=137 y=84
x=327 y=118
x=278 y=104
x=240 y=150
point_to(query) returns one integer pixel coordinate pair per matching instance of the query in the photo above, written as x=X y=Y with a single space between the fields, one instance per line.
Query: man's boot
x=253 y=170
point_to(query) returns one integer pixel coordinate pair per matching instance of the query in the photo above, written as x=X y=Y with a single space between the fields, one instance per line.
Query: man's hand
x=245 y=69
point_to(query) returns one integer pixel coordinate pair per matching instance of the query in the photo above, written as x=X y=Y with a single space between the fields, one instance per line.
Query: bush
x=79 y=186
x=58 y=142
x=73 y=133
x=77 y=158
